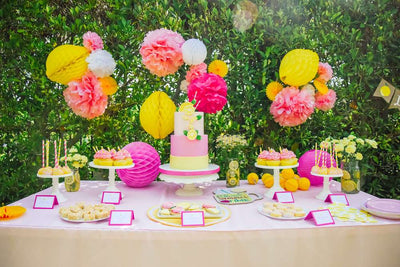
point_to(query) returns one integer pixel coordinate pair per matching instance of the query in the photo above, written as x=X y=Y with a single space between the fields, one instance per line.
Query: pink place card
x=337 y=198
x=111 y=197
x=121 y=217
x=320 y=217
x=45 y=201
x=192 y=218
x=284 y=197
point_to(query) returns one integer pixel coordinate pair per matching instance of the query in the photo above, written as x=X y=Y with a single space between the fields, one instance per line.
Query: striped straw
x=55 y=154
x=65 y=152
x=42 y=153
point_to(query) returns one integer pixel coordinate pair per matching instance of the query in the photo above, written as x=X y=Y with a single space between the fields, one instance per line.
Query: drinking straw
x=55 y=154
x=42 y=153
x=47 y=152
x=65 y=152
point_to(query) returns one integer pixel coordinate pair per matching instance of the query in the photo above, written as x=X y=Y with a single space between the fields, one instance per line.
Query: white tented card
x=111 y=197
x=192 y=218
x=45 y=201
x=320 y=217
x=121 y=217
x=284 y=197
x=337 y=198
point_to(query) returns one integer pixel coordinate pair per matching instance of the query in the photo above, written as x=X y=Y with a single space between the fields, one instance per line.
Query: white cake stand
x=55 y=190
x=276 y=187
x=189 y=178
x=325 y=189
x=111 y=176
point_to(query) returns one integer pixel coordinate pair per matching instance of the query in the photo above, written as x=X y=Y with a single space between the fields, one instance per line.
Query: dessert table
x=41 y=238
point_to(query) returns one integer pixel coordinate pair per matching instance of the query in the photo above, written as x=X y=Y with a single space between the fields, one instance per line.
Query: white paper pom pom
x=194 y=52
x=101 y=63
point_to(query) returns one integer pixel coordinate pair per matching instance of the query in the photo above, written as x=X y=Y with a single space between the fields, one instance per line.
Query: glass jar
x=73 y=183
x=233 y=173
x=351 y=178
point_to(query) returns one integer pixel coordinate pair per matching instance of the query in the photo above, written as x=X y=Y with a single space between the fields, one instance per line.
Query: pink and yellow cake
x=288 y=158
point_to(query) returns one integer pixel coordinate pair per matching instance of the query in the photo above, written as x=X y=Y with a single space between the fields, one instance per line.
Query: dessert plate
x=384 y=205
x=260 y=209
x=83 y=221
x=178 y=215
x=386 y=215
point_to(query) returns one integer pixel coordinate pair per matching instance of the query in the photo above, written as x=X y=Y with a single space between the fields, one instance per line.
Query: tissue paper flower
x=324 y=71
x=292 y=107
x=273 y=88
x=184 y=86
x=109 y=85
x=161 y=52
x=209 y=91
x=85 y=97
x=326 y=101
x=92 y=41
x=218 y=67
x=196 y=71
x=101 y=63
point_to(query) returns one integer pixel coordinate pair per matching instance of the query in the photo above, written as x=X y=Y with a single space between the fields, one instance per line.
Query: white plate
x=178 y=215
x=83 y=221
x=276 y=167
x=382 y=214
x=260 y=209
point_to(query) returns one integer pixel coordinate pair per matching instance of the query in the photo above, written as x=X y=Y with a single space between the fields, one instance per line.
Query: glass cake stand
x=55 y=190
x=276 y=187
x=111 y=176
x=189 y=178
x=325 y=189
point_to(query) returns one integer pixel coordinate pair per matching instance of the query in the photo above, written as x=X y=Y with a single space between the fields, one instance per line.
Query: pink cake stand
x=189 y=178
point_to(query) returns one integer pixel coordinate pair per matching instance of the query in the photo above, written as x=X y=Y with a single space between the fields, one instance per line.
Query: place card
x=121 y=217
x=45 y=201
x=111 y=197
x=337 y=198
x=192 y=218
x=320 y=217
x=284 y=197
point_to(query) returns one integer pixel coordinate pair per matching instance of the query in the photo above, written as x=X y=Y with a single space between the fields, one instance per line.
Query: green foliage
x=359 y=39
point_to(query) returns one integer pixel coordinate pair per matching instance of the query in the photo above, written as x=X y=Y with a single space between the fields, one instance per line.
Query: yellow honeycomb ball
x=321 y=86
x=273 y=88
x=291 y=185
x=252 y=178
x=268 y=180
x=298 y=67
x=304 y=184
x=109 y=85
x=282 y=182
x=287 y=174
x=297 y=177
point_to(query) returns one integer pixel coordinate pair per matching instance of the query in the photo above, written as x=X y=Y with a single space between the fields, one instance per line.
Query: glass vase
x=233 y=173
x=73 y=183
x=351 y=178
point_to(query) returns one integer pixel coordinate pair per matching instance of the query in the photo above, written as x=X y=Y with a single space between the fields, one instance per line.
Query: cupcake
x=288 y=158
x=273 y=158
x=103 y=157
x=262 y=158
x=122 y=158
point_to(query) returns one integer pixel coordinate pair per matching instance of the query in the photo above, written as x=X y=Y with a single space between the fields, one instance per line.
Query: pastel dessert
x=177 y=209
x=335 y=171
x=208 y=206
x=122 y=158
x=165 y=212
x=262 y=158
x=173 y=210
x=213 y=210
x=288 y=158
x=168 y=205
x=282 y=210
x=315 y=169
x=58 y=171
x=86 y=212
x=45 y=171
x=103 y=158
x=184 y=205
x=273 y=158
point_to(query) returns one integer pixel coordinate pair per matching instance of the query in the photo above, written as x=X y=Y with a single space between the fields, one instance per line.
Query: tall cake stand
x=189 y=178
x=325 y=189
x=276 y=187
x=111 y=176
x=55 y=190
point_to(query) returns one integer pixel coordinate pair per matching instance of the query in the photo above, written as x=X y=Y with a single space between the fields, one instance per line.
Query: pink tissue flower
x=196 y=71
x=209 y=91
x=161 y=52
x=85 y=97
x=92 y=41
x=292 y=107
x=325 y=102
x=325 y=71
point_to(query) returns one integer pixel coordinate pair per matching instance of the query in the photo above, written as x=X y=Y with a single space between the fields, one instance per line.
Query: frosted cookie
x=165 y=212
x=299 y=213
x=184 y=205
x=195 y=207
x=89 y=216
x=288 y=214
x=168 y=205
x=213 y=210
x=208 y=206
x=75 y=216
x=177 y=209
x=267 y=210
x=276 y=214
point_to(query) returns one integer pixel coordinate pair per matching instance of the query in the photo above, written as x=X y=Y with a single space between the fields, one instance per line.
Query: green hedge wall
x=359 y=39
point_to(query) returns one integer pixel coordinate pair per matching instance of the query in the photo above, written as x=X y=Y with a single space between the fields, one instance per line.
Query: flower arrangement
x=77 y=160
x=230 y=145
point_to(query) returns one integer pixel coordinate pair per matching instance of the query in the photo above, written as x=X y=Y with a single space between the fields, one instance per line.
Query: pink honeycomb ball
x=146 y=160
x=306 y=162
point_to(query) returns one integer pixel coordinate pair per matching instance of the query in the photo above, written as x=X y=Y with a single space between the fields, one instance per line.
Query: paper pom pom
x=218 y=67
x=85 y=97
x=157 y=115
x=184 y=86
x=321 y=86
x=101 y=63
x=194 y=52
x=325 y=72
x=146 y=169
x=273 y=88
x=108 y=85
x=308 y=87
x=292 y=107
x=66 y=63
x=209 y=91
x=161 y=52
x=325 y=102
x=196 y=71
x=92 y=41
x=298 y=67
x=307 y=161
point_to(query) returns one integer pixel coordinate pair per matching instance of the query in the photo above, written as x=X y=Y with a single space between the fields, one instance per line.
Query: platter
x=178 y=215
x=384 y=205
x=386 y=215
x=260 y=209
x=83 y=221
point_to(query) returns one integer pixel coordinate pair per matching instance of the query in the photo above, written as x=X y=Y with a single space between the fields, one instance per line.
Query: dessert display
x=82 y=212
x=271 y=157
x=322 y=169
x=57 y=170
x=282 y=211
x=174 y=210
x=112 y=157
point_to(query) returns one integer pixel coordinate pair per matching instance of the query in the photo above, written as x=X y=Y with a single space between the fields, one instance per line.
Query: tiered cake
x=189 y=144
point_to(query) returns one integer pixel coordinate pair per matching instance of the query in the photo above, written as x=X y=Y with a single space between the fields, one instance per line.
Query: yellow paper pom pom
x=287 y=174
x=291 y=185
x=273 y=88
x=218 y=67
x=157 y=115
x=304 y=184
x=298 y=67
x=321 y=86
x=108 y=85
x=252 y=178
x=66 y=63
x=268 y=180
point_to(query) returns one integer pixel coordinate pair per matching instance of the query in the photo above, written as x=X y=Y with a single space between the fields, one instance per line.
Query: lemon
x=291 y=185
x=304 y=183
x=349 y=185
x=232 y=181
x=234 y=165
x=69 y=179
x=346 y=175
x=252 y=178
x=287 y=174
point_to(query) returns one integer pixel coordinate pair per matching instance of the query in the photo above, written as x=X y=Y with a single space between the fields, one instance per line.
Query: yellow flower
x=273 y=88
x=339 y=155
x=73 y=150
x=339 y=147
x=345 y=141
x=218 y=67
x=351 y=137
x=350 y=149
x=372 y=143
x=360 y=141
x=359 y=156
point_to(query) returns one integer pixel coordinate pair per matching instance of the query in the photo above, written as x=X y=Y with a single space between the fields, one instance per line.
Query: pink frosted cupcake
x=288 y=158
x=122 y=158
x=262 y=158
x=103 y=157
x=273 y=158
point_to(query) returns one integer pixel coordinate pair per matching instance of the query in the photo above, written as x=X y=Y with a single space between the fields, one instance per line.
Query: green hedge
x=359 y=39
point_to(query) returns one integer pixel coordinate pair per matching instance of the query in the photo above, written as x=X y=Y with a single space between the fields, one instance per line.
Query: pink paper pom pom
x=325 y=102
x=85 y=97
x=292 y=107
x=325 y=71
x=92 y=41
x=196 y=71
x=209 y=91
x=161 y=52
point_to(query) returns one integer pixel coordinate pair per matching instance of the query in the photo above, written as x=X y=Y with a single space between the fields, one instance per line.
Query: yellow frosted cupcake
x=288 y=158
x=262 y=158
x=273 y=158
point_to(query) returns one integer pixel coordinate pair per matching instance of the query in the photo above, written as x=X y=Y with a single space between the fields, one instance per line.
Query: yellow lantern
x=157 y=115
